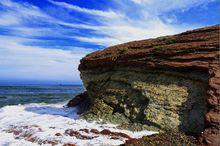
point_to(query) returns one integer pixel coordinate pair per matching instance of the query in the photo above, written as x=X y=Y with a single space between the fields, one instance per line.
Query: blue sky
x=42 y=41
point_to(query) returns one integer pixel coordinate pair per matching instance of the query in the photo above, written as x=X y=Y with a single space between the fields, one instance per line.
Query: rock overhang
x=196 y=50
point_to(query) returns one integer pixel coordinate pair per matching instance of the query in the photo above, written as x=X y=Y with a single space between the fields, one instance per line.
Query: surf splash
x=37 y=124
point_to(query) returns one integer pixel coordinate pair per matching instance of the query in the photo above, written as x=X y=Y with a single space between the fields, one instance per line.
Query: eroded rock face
x=162 y=99
x=170 y=82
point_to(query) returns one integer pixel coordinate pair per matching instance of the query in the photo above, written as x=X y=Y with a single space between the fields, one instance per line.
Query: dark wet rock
x=115 y=134
x=77 y=134
x=50 y=142
x=81 y=101
x=115 y=137
x=77 y=100
x=69 y=144
x=94 y=131
x=58 y=134
x=27 y=133
x=107 y=132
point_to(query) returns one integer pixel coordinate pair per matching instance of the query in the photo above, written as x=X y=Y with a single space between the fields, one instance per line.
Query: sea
x=33 y=115
x=44 y=94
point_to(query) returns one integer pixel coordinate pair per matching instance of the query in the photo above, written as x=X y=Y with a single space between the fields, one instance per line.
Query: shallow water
x=42 y=119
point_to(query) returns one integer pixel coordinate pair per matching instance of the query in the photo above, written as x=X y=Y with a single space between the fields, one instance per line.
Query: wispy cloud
x=122 y=26
x=18 y=60
x=30 y=33
x=108 y=14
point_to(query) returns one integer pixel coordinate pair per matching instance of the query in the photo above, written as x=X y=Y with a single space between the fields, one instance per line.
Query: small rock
x=106 y=132
x=114 y=137
x=94 y=131
x=69 y=144
x=58 y=134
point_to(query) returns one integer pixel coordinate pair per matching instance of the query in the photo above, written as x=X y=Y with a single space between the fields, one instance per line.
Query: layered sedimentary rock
x=167 y=83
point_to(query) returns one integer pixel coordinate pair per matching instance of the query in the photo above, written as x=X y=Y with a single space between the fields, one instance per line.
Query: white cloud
x=30 y=62
x=108 y=14
x=21 y=61
x=128 y=20
x=23 y=9
x=160 y=6
x=145 y=21
x=105 y=41
x=7 y=19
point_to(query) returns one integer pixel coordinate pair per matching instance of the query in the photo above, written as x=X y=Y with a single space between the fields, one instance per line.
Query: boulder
x=81 y=101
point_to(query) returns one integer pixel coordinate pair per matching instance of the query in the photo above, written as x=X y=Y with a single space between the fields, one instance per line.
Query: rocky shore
x=170 y=83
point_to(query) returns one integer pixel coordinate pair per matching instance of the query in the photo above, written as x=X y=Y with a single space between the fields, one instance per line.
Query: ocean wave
x=54 y=124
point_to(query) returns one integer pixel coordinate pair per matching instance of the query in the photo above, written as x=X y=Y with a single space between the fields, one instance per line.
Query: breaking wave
x=53 y=124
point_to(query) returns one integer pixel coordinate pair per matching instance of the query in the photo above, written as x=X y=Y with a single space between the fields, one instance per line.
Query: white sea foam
x=28 y=125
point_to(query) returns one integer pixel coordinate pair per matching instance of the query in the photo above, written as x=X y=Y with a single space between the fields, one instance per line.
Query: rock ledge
x=151 y=81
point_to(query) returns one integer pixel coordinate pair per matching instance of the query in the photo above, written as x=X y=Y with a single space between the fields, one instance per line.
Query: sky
x=42 y=41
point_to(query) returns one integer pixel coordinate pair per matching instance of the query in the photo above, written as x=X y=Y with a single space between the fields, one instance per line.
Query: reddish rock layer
x=196 y=50
x=28 y=133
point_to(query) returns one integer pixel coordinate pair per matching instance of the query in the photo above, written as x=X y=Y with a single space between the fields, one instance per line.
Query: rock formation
x=166 y=83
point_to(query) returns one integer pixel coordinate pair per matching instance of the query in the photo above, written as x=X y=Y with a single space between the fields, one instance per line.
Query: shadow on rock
x=82 y=102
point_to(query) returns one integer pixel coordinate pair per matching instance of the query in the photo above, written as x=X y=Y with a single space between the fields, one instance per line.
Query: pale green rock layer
x=154 y=100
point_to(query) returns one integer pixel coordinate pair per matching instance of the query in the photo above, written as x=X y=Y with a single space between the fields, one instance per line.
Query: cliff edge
x=166 y=83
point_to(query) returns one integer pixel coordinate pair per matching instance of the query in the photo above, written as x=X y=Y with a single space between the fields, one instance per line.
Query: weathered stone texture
x=170 y=82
